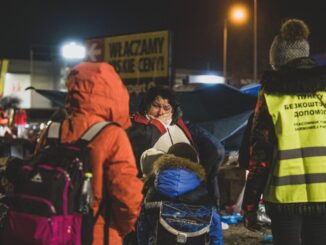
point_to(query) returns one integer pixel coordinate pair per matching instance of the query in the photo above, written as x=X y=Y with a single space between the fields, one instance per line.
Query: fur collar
x=299 y=76
x=170 y=161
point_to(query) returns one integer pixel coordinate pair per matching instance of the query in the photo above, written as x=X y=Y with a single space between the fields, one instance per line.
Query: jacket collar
x=299 y=76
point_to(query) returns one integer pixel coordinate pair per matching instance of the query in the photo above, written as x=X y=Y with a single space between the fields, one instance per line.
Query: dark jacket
x=211 y=155
x=144 y=133
x=244 y=151
x=300 y=76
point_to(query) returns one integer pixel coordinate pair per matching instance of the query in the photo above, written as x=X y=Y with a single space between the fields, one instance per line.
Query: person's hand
x=165 y=118
x=250 y=221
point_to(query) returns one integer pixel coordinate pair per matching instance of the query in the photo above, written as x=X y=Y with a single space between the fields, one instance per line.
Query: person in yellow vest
x=288 y=143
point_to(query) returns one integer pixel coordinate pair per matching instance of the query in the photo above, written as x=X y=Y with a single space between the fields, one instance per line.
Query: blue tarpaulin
x=220 y=109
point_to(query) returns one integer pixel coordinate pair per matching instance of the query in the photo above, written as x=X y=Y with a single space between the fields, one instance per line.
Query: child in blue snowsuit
x=178 y=180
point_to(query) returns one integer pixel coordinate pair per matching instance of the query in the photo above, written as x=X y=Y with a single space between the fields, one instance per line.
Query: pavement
x=237 y=234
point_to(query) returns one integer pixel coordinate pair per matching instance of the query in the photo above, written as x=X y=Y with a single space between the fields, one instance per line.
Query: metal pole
x=255 y=42
x=225 y=47
x=31 y=65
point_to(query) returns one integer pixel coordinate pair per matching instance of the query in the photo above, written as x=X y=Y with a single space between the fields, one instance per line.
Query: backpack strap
x=54 y=132
x=93 y=131
x=86 y=138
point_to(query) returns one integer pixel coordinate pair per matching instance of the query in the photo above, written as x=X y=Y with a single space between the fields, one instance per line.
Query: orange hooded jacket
x=96 y=93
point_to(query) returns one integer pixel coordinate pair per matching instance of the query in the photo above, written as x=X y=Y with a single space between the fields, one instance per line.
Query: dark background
x=197 y=26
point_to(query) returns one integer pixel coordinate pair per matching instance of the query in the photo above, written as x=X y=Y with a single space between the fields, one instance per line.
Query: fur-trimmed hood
x=168 y=161
x=298 y=76
x=175 y=176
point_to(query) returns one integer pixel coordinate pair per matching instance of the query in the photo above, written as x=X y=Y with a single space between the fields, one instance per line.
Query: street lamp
x=238 y=14
x=73 y=51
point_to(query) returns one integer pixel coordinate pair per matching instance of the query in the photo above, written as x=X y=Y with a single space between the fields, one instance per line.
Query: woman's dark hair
x=165 y=93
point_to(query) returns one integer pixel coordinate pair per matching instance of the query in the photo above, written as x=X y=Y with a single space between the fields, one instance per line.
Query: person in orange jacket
x=95 y=94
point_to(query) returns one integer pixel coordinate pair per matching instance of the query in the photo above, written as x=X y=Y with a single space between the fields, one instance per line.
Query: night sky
x=197 y=27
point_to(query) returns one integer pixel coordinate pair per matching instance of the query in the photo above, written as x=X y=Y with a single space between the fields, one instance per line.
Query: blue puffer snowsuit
x=179 y=180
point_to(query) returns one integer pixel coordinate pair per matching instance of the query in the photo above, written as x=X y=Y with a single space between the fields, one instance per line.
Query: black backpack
x=179 y=223
x=50 y=203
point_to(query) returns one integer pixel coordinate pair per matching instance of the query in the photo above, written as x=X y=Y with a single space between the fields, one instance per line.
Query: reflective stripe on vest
x=299 y=172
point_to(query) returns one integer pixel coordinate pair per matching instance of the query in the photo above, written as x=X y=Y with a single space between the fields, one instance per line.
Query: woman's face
x=160 y=107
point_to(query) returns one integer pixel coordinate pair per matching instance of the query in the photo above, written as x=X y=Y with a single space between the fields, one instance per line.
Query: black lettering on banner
x=136 y=88
x=152 y=46
x=140 y=88
x=146 y=47
x=124 y=66
x=115 y=50
x=127 y=48
x=136 y=47
x=147 y=64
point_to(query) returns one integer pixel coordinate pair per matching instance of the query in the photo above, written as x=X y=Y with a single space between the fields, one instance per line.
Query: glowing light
x=238 y=14
x=211 y=79
x=73 y=51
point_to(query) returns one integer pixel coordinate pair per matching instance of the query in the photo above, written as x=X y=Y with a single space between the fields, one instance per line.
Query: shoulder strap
x=93 y=131
x=54 y=132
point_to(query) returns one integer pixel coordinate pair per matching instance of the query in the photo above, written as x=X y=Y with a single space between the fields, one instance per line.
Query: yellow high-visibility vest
x=299 y=171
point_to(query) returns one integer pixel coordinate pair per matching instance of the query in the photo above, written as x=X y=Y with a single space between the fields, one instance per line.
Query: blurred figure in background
x=20 y=121
x=4 y=121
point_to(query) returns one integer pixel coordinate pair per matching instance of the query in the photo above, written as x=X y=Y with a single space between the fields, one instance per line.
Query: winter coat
x=144 y=134
x=95 y=94
x=178 y=180
x=299 y=77
x=211 y=154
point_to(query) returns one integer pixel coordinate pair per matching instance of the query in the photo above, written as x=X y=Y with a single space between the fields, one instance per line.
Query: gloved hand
x=250 y=221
